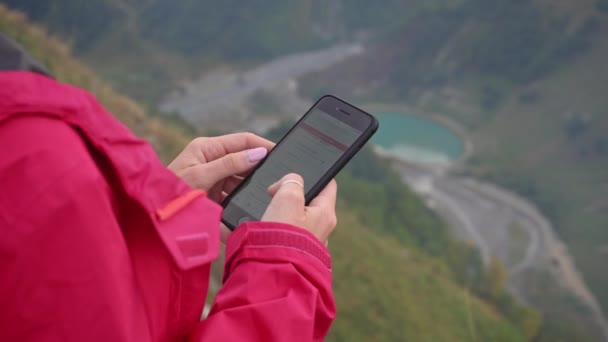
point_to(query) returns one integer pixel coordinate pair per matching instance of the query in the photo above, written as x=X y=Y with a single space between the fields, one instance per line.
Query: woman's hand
x=217 y=165
x=287 y=206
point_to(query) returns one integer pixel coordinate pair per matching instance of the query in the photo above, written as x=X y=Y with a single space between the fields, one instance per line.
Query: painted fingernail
x=256 y=154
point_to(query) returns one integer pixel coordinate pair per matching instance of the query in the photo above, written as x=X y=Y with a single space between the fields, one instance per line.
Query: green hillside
x=561 y=162
x=386 y=292
x=391 y=281
x=190 y=28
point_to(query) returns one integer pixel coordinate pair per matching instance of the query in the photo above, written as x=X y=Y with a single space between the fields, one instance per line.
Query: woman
x=101 y=242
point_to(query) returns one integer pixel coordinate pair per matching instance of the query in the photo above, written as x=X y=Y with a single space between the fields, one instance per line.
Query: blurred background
x=480 y=213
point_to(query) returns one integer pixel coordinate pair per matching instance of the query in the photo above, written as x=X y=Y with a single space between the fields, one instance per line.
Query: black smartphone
x=317 y=147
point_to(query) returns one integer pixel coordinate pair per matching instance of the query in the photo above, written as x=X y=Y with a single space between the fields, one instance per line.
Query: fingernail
x=256 y=154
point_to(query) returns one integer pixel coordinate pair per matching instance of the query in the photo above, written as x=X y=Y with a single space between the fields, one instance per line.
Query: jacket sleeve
x=277 y=287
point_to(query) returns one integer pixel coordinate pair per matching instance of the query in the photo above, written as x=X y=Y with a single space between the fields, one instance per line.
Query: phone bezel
x=342 y=111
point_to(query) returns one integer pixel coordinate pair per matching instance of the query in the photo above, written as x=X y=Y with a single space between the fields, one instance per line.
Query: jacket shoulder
x=38 y=153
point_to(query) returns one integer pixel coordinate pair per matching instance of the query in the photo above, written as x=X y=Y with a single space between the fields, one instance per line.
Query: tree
x=496 y=279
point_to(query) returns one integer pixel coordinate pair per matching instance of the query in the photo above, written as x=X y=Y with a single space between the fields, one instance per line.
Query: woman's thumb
x=287 y=197
x=289 y=178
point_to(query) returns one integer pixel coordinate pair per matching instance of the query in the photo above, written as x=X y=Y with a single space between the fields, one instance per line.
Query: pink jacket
x=100 y=242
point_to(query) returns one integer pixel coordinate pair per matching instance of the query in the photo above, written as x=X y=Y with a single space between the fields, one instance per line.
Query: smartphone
x=317 y=147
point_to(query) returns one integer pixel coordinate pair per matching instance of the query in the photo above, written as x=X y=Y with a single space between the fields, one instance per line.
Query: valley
x=477 y=211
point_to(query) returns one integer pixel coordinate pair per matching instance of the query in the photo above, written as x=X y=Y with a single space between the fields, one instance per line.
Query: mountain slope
x=147 y=47
x=561 y=161
x=386 y=292
x=539 y=123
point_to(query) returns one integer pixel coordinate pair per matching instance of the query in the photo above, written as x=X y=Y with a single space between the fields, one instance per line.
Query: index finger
x=243 y=141
x=327 y=196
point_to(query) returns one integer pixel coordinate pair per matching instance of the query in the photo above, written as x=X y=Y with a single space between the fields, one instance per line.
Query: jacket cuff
x=275 y=235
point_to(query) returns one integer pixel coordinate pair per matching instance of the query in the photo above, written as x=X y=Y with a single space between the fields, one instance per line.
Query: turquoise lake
x=417 y=139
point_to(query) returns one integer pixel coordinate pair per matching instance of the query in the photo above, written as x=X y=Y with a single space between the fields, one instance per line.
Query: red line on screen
x=324 y=137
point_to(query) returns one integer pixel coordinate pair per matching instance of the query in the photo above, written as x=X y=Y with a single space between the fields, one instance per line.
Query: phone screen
x=317 y=142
